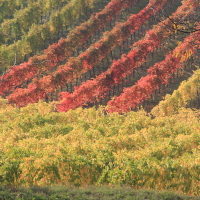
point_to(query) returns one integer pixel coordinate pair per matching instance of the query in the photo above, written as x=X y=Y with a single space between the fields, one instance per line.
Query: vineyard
x=100 y=92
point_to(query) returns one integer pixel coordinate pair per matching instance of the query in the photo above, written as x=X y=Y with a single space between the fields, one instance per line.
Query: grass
x=92 y=192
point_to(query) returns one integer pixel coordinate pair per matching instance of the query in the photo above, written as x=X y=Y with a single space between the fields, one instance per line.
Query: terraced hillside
x=100 y=92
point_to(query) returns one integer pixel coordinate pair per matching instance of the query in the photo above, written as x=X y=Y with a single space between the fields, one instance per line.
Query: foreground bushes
x=40 y=147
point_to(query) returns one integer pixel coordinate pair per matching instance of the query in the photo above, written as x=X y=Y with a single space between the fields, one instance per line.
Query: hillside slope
x=86 y=58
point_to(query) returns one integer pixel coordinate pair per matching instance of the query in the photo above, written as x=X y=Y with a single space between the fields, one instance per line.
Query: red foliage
x=57 y=52
x=91 y=91
x=157 y=75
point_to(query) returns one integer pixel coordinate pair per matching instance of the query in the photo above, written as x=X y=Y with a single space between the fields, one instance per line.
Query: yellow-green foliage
x=187 y=91
x=39 y=146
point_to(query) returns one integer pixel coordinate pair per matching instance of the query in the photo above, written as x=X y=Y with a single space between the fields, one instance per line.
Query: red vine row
x=75 y=67
x=157 y=75
x=92 y=90
x=57 y=52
